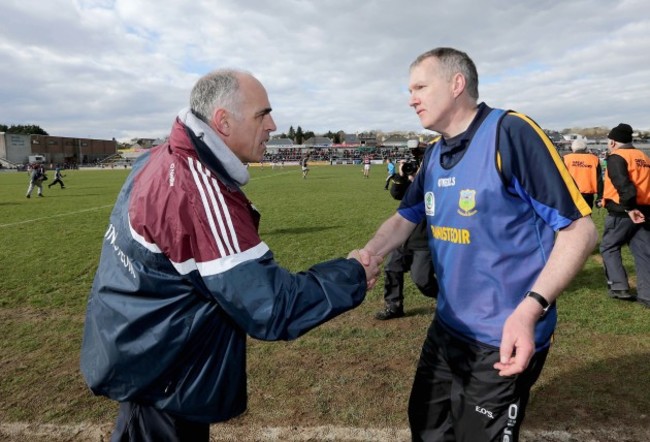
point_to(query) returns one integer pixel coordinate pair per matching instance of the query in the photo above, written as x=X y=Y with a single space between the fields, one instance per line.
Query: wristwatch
x=539 y=298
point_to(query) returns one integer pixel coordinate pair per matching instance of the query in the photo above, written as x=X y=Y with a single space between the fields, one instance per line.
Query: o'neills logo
x=172 y=174
x=467 y=202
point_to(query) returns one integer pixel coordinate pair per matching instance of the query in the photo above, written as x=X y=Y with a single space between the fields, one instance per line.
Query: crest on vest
x=430 y=204
x=467 y=202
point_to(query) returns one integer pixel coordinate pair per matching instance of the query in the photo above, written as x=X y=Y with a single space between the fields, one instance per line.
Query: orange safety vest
x=638 y=169
x=583 y=167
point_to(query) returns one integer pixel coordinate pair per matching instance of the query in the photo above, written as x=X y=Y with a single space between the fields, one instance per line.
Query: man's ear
x=221 y=122
x=458 y=83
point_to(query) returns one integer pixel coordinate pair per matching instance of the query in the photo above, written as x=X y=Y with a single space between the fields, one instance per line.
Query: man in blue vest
x=508 y=230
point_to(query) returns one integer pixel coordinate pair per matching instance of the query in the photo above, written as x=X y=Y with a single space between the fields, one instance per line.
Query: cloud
x=123 y=68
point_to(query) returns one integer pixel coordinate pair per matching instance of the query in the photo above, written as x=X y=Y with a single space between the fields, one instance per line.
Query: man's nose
x=271 y=127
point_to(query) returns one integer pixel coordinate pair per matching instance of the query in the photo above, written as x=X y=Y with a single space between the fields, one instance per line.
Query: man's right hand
x=370 y=264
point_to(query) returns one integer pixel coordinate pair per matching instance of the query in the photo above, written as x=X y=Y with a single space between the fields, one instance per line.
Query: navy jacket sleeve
x=215 y=246
x=271 y=303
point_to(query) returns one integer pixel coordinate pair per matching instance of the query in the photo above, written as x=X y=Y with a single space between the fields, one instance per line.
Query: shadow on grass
x=316 y=178
x=298 y=230
x=609 y=392
x=591 y=278
x=419 y=311
x=72 y=195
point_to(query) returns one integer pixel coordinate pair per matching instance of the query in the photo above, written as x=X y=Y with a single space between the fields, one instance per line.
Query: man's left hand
x=518 y=341
x=636 y=216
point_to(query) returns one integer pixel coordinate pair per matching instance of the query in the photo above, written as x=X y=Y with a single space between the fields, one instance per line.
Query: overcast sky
x=124 y=68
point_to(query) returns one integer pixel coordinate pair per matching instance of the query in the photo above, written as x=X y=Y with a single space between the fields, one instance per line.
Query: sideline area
x=26 y=221
x=227 y=432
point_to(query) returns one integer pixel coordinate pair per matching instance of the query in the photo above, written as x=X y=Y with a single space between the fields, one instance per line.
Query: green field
x=353 y=372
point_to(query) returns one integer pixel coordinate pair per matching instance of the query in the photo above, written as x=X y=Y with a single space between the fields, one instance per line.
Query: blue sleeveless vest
x=488 y=246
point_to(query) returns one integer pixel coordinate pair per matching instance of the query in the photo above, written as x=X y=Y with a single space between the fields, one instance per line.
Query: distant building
x=573 y=137
x=415 y=143
x=17 y=148
x=279 y=142
x=395 y=141
x=348 y=139
x=145 y=143
x=367 y=140
x=318 y=141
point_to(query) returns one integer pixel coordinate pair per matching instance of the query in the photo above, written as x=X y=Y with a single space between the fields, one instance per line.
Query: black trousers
x=420 y=266
x=618 y=232
x=56 y=181
x=143 y=423
x=457 y=395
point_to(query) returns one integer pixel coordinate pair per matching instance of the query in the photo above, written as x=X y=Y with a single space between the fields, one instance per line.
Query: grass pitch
x=353 y=371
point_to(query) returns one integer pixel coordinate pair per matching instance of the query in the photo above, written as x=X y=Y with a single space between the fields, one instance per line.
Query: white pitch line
x=275 y=174
x=33 y=220
x=218 y=432
x=228 y=432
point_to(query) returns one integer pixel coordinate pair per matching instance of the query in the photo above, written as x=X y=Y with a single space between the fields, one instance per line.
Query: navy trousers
x=143 y=423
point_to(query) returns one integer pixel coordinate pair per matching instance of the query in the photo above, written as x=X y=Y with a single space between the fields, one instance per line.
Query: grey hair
x=578 y=145
x=453 y=62
x=215 y=90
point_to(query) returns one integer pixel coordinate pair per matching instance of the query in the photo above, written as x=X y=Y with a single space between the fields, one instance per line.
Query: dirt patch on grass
x=348 y=380
x=226 y=432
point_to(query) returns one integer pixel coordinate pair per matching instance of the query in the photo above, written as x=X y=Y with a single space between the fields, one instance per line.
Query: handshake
x=370 y=264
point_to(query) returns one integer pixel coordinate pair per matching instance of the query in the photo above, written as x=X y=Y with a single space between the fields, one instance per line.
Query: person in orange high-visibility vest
x=626 y=197
x=585 y=169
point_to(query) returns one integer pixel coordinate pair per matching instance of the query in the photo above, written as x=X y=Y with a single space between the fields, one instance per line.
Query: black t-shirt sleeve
x=617 y=172
x=533 y=169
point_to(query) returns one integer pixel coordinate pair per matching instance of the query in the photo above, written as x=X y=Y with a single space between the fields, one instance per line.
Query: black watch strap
x=539 y=298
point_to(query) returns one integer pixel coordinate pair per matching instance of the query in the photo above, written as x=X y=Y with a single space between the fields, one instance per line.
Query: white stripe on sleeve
x=220 y=265
x=206 y=206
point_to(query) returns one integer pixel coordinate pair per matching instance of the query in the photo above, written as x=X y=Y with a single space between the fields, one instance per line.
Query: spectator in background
x=57 y=178
x=184 y=276
x=390 y=168
x=627 y=200
x=585 y=169
x=413 y=256
x=304 y=166
x=36 y=178
x=366 y=166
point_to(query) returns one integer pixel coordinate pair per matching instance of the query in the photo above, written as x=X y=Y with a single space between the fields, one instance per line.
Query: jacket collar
x=211 y=149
